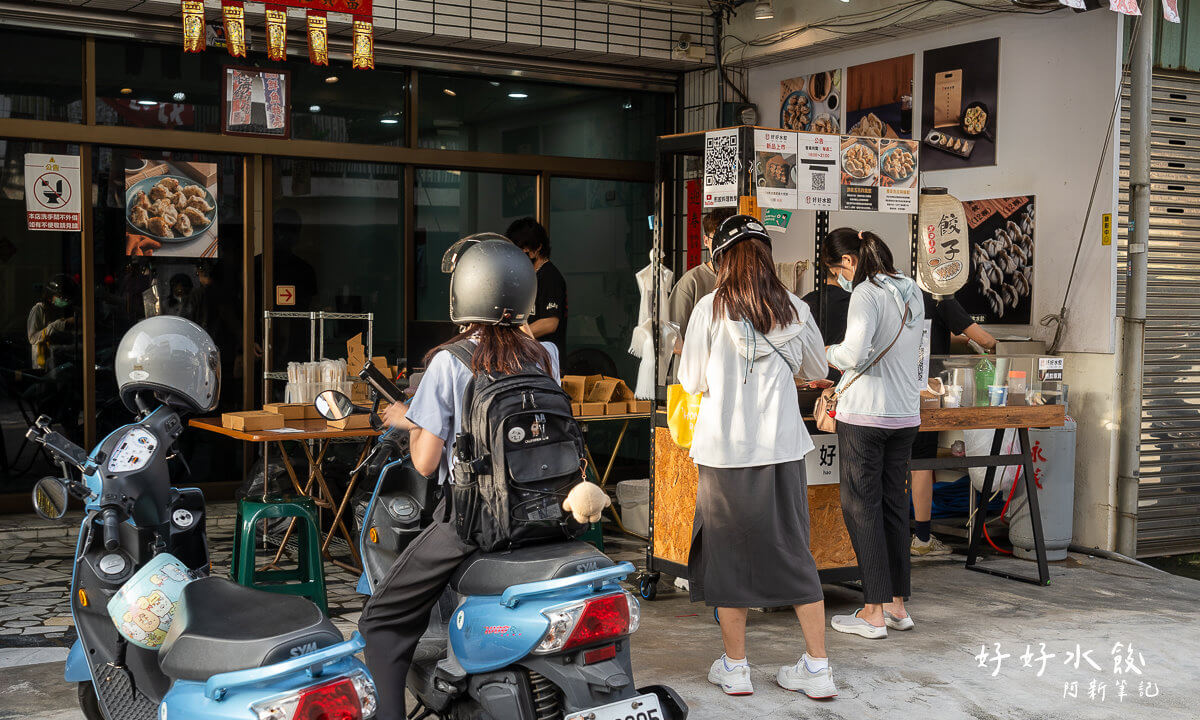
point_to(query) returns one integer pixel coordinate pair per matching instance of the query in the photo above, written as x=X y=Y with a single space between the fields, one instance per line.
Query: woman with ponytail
x=744 y=346
x=878 y=412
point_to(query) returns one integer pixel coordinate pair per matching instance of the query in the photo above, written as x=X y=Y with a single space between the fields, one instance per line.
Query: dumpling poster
x=171 y=209
x=1000 y=232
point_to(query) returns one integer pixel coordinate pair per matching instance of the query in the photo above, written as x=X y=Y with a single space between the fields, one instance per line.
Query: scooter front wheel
x=88 y=702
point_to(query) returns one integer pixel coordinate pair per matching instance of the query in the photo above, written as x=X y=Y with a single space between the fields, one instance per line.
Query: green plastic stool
x=308 y=579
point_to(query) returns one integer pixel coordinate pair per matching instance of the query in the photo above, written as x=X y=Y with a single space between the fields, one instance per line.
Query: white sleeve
x=809 y=347
x=862 y=318
x=693 y=363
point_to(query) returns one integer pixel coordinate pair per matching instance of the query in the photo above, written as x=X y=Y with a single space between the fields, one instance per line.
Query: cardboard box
x=605 y=390
x=356 y=355
x=574 y=386
x=576 y=408
x=291 y=411
x=639 y=406
x=357 y=421
x=252 y=420
x=588 y=409
x=589 y=382
x=619 y=407
x=929 y=401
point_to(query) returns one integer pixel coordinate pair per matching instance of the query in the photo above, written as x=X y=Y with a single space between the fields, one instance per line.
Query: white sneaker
x=817 y=685
x=733 y=682
x=930 y=547
x=854 y=625
x=895 y=623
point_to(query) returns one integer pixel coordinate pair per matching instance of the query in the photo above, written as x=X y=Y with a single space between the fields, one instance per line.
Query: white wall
x=1058 y=78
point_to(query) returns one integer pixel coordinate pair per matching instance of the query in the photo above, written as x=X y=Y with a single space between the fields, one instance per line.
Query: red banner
x=276 y=33
x=695 y=231
x=318 y=38
x=235 y=27
x=193 y=26
x=350 y=7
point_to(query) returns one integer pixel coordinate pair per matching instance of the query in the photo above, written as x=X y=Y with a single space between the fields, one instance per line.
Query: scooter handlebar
x=112 y=524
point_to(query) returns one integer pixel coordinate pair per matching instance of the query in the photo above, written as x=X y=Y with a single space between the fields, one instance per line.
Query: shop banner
x=256 y=102
x=860 y=173
x=721 y=168
x=695 y=227
x=898 y=175
x=235 y=27
x=171 y=209
x=776 y=220
x=276 y=33
x=52 y=192
x=818 y=172
x=318 y=38
x=775 y=168
x=1001 y=234
x=193 y=26
x=822 y=466
x=364 y=46
x=1171 y=10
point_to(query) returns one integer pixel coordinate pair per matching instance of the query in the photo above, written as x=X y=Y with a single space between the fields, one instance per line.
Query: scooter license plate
x=643 y=707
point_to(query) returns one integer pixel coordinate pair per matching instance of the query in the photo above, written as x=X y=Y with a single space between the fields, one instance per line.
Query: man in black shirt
x=550 y=309
x=832 y=322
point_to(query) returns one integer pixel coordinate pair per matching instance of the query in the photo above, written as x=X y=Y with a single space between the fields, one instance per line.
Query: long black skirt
x=750 y=538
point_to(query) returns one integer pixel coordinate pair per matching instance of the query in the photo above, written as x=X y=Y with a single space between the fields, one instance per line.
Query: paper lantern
x=943 y=252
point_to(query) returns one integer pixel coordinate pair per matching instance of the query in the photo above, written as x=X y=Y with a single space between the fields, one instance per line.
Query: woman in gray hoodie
x=878 y=412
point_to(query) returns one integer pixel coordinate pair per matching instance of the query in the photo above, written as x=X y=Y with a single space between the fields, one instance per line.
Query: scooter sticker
x=460 y=620
x=182 y=518
x=516 y=434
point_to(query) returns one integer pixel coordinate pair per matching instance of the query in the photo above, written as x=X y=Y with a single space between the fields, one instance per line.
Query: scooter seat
x=221 y=626
x=492 y=573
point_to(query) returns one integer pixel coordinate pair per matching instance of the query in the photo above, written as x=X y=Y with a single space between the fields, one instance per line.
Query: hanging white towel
x=645 y=281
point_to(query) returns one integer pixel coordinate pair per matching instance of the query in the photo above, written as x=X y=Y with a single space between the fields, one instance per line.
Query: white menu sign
x=774 y=168
x=818 y=171
x=721 y=168
x=822 y=465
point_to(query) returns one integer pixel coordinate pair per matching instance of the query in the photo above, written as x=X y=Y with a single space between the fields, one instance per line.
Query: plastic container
x=1054 y=465
x=634 y=498
x=985 y=375
x=997 y=395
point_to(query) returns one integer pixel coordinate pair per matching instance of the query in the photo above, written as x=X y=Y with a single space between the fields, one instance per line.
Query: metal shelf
x=316 y=337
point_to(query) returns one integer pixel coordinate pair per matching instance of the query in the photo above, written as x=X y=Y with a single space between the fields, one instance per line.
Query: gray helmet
x=173 y=358
x=491 y=281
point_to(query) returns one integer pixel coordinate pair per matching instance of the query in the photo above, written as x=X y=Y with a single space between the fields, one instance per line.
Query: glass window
x=472 y=113
x=450 y=205
x=192 y=269
x=147 y=85
x=338 y=232
x=43 y=78
x=40 y=341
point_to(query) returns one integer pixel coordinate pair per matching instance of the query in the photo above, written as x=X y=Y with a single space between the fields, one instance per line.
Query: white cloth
x=749 y=414
x=437 y=406
x=890 y=389
x=641 y=344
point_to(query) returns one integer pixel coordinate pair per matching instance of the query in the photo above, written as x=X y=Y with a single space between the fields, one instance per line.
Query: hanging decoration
x=364 y=46
x=1171 y=10
x=318 y=38
x=235 y=27
x=276 y=33
x=1125 y=7
x=193 y=26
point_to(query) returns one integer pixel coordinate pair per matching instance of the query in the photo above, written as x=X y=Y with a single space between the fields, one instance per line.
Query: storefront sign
x=285 y=294
x=775 y=168
x=822 y=465
x=898 y=175
x=818 y=172
x=860 y=173
x=721 y=168
x=695 y=228
x=776 y=219
x=52 y=192
x=1050 y=369
x=1106 y=230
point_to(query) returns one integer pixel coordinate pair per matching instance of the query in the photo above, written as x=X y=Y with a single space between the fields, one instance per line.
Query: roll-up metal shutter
x=1169 y=493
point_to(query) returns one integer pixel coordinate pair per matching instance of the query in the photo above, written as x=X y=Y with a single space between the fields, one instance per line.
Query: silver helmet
x=173 y=358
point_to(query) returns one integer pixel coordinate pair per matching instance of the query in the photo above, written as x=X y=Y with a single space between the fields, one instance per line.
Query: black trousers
x=874 y=490
x=397 y=614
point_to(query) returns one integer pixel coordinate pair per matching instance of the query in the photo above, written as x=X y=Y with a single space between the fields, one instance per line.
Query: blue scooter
x=230 y=651
x=536 y=633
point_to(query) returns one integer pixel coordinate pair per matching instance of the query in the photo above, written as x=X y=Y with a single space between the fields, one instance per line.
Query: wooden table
x=586 y=420
x=316 y=487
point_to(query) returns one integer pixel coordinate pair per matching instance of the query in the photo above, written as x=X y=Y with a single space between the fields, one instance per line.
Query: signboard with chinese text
x=52 y=192
x=818 y=171
x=822 y=465
x=775 y=168
x=721 y=168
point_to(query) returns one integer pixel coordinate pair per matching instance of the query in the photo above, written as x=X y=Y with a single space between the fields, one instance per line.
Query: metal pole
x=1134 y=321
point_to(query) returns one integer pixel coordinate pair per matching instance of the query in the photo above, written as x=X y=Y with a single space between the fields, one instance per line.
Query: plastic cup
x=953 y=396
x=997 y=395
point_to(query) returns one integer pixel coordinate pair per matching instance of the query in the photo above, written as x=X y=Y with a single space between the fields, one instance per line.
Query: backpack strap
x=463 y=351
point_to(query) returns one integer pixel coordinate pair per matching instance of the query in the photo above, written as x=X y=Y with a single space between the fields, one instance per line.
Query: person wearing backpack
x=492 y=290
x=745 y=344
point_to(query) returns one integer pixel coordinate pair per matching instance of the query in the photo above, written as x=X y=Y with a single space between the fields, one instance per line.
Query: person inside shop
x=746 y=342
x=550 y=313
x=878 y=412
x=180 y=300
x=395 y=617
x=50 y=324
x=947 y=317
x=700 y=280
x=833 y=321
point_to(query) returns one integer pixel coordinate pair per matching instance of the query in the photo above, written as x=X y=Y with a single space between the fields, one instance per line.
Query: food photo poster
x=879 y=98
x=959 y=107
x=1000 y=233
x=170 y=209
x=812 y=103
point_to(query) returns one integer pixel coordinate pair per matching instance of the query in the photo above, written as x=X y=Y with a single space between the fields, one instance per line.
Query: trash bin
x=634 y=498
x=1054 y=467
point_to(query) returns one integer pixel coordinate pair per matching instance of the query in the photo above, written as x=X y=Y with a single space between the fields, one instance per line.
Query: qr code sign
x=720 y=160
x=818 y=181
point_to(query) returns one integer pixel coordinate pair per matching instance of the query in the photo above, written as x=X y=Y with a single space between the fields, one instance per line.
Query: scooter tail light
x=346 y=698
x=589 y=621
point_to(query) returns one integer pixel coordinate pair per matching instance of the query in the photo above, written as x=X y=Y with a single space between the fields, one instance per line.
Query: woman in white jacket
x=745 y=343
x=878 y=412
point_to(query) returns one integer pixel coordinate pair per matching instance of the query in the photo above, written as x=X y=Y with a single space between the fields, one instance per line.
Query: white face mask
x=847 y=285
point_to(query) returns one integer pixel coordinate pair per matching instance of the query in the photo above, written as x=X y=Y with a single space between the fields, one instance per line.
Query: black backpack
x=519 y=452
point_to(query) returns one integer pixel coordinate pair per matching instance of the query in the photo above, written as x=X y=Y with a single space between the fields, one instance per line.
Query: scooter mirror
x=333 y=405
x=50 y=498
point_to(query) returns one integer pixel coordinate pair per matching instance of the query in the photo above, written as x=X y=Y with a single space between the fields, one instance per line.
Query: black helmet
x=491 y=281
x=734 y=230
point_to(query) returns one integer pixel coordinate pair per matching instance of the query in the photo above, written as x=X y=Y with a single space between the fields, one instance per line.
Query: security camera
x=684 y=43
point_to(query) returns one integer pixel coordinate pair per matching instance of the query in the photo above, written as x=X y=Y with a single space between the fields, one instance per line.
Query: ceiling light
x=126 y=91
x=389 y=121
x=518 y=95
x=331 y=79
x=314 y=108
x=146 y=102
x=449 y=92
x=628 y=105
x=179 y=97
x=493 y=83
x=764 y=11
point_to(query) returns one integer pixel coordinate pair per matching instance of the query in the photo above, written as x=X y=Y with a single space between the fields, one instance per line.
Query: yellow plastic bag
x=682 y=409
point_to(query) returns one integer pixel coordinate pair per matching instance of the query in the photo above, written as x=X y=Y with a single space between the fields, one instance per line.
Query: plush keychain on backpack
x=586 y=502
